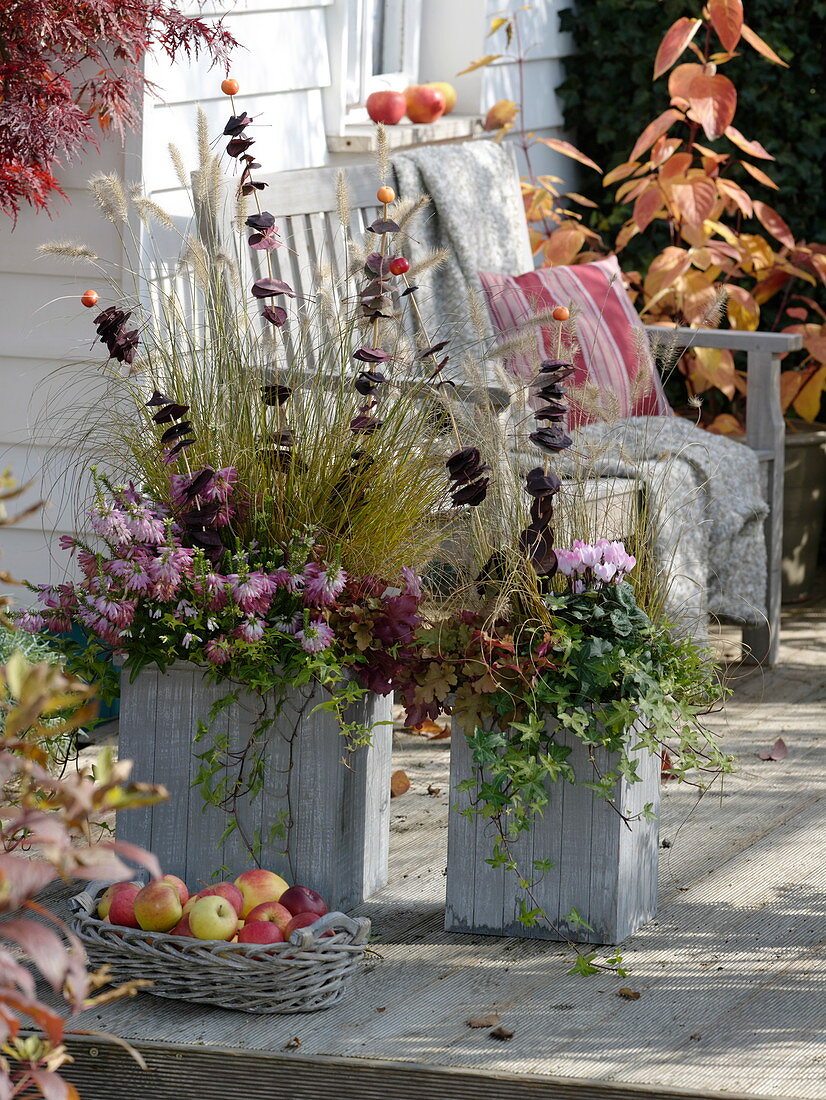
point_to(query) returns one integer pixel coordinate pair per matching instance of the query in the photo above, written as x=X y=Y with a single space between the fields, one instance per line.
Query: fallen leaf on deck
x=426 y=728
x=628 y=994
x=399 y=783
x=666 y=772
x=384 y=1009
x=485 y=1021
x=442 y=735
x=433 y=791
x=293 y=1043
x=501 y=1033
x=778 y=751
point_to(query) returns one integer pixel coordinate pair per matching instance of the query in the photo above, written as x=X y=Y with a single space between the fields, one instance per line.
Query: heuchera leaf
x=276 y=315
x=371 y=355
x=384 y=225
x=727 y=19
x=676 y=38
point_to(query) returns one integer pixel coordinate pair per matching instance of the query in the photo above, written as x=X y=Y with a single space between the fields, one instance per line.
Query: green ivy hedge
x=608 y=97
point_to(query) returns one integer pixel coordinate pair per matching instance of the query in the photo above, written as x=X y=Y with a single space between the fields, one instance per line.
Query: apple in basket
x=302 y=920
x=227 y=890
x=180 y=886
x=258 y=886
x=213 y=918
x=272 y=911
x=182 y=928
x=157 y=907
x=108 y=895
x=301 y=899
x=261 y=931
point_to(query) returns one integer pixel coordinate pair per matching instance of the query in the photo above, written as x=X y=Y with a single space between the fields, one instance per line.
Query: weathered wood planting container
x=334 y=815
x=603 y=868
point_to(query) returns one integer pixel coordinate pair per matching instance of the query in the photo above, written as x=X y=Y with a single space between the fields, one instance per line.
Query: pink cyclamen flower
x=323 y=585
x=605 y=571
x=218 y=651
x=567 y=560
x=316 y=636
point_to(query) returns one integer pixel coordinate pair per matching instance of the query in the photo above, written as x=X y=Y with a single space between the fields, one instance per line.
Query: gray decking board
x=732 y=986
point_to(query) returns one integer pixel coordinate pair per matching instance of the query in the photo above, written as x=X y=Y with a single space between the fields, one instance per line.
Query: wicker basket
x=304 y=975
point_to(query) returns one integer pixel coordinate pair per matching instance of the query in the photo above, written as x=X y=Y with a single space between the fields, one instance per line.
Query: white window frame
x=404 y=25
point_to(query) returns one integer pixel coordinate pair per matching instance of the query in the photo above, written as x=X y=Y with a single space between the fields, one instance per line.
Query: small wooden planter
x=336 y=815
x=603 y=869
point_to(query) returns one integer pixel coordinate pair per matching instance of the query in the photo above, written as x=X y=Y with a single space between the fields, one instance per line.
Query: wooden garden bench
x=305 y=205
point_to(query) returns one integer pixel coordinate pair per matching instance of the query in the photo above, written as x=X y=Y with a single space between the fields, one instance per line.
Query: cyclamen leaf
x=266 y=288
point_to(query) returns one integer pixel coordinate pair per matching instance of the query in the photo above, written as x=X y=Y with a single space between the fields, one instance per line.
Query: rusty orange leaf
x=759 y=175
x=725 y=424
x=769 y=285
x=713 y=101
x=680 y=78
x=563 y=244
x=628 y=231
x=757 y=43
x=753 y=148
x=695 y=199
x=571 y=151
x=399 y=784
x=771 y=221
x=791 y=383
x=661 y=124
x=727 y=19
x=714 y=369
x=677 y=165
x=480 y=63
x=808 y=400
x=620 y=172
x=665 y=269
x=502 y=113
x=664 y=149
x=581 y=200
x=676 y=38
x=728 y=189
x=646 y=206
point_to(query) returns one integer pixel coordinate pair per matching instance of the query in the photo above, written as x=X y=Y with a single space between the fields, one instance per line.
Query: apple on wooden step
x=387 y=107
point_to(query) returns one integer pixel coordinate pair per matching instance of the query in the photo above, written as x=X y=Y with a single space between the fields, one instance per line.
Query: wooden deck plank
x=732 y=987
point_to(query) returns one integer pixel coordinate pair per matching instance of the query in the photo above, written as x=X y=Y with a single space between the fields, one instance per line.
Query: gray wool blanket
x=457 y=178
x=706 y=506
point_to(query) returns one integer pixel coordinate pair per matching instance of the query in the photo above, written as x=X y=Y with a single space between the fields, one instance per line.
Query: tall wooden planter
x=602 y=868
x=336 y=815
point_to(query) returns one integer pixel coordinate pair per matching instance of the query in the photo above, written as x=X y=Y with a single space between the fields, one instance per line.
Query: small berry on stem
x=89 y=298
x=385 y=195
x=561 y=313
x=230 y=86
x=399 y=266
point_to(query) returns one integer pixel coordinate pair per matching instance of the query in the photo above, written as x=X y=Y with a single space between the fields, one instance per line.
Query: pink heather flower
x=251 y=629
x=48 y=595
x=110 y=523
x=144 y=526
x=316 y=636
x=218 y=650
x=31 y=622
x=60 y=624
x=323 y=585
x=87 y=562
x=170 y=566
x=283 y=578
x=253 y=592
x=66 y=542
x=177 y=485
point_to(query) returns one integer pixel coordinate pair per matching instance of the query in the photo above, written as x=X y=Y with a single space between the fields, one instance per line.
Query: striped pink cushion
x=613 y=348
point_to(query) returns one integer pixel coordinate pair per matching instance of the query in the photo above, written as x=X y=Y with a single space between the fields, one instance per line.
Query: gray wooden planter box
x=337 y=835
x=604 y=869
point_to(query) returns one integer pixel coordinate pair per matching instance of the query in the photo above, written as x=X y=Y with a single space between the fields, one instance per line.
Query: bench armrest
x=729 y=339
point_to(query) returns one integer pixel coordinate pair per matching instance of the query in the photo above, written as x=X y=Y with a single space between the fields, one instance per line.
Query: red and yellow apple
x=447 y=90
x=300 y=920
x=180 y=886
x=301 y=899
x=157 y=907
x=260 y=931
x=226 y=890
x=387 y=107
x=258 y=886
x=272 y=911
x=424 y=104
x=213 y=918
x=182 y=928
x=105 y=900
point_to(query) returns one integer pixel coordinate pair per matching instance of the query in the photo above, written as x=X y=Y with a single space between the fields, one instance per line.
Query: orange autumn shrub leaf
x=734 y=193
x=759 y=175
x=808 y=400
x=665 y=269
x=620 y=172
x=676 y=39
x=568 y=150
x=680 y=78
x=757 y=43
x=713 y=369
x=727 y=19
x=694 y=199
x=771 y=221
x=713 y=102
x=646 y=206
x=502 y=113
x=725 y=424
x=399 y=783
x=742 y=310
x=661 y=124
x=753 y=148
